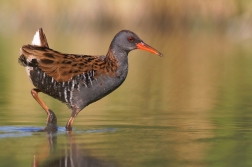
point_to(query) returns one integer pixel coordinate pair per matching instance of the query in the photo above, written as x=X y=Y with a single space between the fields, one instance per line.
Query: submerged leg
x=75 y=111
x=51 y=117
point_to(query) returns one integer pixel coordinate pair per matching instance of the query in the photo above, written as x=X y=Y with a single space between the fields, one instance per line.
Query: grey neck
x=121 y=57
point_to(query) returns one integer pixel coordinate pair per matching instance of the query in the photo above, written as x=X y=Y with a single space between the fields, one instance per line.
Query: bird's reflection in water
x=51 y=154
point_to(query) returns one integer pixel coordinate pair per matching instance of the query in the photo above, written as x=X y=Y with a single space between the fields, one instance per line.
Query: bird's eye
x=130 y=39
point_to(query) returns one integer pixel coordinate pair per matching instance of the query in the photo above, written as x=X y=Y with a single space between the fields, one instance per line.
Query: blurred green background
x=190 y=108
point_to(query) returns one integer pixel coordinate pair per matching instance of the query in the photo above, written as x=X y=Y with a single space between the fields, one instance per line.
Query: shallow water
x=190 y=108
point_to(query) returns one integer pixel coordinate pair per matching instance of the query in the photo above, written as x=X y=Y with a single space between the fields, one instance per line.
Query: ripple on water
x=20 y=131
x=24 y=131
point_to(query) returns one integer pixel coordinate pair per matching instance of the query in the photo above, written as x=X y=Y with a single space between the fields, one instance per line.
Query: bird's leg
x=51 y=117
x=75 y=111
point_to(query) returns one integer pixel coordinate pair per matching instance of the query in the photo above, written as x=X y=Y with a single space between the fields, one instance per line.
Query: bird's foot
x=51 y=123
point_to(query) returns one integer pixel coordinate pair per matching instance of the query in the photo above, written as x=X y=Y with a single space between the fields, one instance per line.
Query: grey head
x=125 y=41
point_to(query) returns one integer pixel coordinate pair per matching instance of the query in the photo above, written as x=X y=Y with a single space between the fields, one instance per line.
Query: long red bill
x=144 y=46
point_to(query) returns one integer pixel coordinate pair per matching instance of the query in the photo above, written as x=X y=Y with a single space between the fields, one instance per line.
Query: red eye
x=130 y=39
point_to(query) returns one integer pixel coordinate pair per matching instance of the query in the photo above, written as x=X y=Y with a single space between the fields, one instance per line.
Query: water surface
x=190 y=108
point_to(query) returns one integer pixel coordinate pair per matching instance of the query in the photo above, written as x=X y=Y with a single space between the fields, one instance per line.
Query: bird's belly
x=99 y=88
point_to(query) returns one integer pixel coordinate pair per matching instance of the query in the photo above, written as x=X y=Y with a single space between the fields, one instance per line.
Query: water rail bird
x=78 y=80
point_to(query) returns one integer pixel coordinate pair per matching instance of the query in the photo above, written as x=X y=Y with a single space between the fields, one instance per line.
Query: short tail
x=39 y=39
